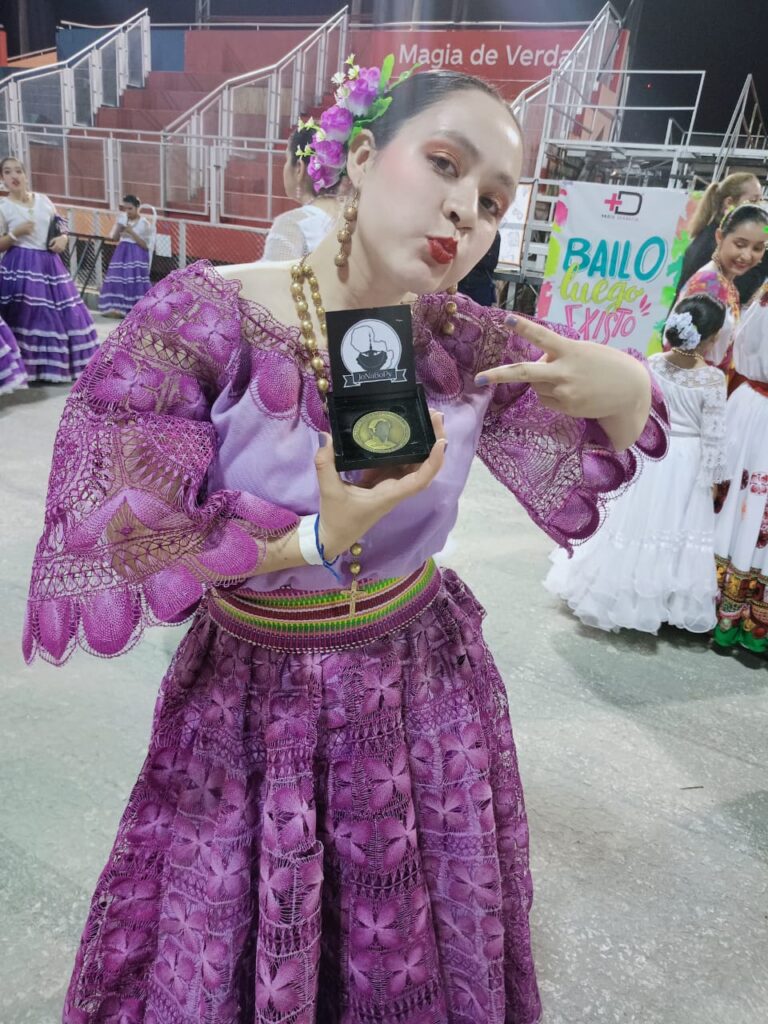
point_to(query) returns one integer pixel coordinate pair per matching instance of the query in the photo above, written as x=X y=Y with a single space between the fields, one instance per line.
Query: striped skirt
x=12 y=372
x=127 y=279
x=42 y=307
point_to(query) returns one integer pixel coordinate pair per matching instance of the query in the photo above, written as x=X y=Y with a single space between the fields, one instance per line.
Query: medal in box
x=377 y=408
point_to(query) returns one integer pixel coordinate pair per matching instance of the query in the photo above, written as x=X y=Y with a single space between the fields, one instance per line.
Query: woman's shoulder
x=707 y=279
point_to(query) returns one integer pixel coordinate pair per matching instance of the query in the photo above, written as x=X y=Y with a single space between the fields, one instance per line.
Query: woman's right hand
x=347 y=511
x=25 y=228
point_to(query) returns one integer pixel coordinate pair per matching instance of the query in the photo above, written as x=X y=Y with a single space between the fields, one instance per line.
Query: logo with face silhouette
x=371 y=351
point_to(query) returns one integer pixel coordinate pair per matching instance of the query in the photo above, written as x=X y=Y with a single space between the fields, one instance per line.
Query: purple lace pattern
x=335 y=837
x=130 y=538
x=563 y=471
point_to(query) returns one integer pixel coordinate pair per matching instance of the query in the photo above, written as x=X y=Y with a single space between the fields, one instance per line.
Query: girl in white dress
x=298 y=232
x=741 y=531
x=653 y=560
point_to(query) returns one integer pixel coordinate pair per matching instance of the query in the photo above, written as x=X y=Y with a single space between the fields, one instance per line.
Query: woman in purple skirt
x=329 y=826
x=127 y=278
x=12 y=372
x=38 y=298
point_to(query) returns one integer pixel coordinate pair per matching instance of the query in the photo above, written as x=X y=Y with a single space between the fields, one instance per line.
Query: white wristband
x=308 y=541
x=11 y=235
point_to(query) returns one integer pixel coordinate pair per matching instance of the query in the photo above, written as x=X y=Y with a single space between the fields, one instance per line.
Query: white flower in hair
x=686 y=331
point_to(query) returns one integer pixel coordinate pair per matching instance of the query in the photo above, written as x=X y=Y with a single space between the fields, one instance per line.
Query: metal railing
x=278 y=93
x=179 y=242
x=70 y=93
x=746 y=130
x=264 y=103
x=237 y=178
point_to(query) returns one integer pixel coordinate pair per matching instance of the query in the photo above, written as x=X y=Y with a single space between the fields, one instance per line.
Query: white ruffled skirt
x=652 y=561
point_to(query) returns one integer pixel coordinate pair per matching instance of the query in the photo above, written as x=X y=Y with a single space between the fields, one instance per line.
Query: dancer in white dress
x=741 y=532
x=298 y=232
x=653 y=560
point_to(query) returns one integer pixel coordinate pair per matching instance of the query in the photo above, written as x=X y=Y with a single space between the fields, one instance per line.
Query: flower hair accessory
x=362 y=96
x=688 y=334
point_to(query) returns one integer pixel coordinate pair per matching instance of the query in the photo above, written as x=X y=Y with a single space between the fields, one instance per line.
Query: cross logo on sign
x=624 y=204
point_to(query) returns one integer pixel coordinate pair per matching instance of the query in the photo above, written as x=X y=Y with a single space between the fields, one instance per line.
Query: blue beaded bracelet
x=321 y=551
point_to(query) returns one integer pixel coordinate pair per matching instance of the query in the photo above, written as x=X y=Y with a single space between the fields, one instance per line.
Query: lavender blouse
x=190 y=438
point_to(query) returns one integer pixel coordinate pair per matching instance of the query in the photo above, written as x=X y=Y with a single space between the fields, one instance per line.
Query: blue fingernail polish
x=321 y=440
x=481 y=380
x=511 y=320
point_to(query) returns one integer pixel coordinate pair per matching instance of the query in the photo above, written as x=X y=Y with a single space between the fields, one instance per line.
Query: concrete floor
x=644 y=763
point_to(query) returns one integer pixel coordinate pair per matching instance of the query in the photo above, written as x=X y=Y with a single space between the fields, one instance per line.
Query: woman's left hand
x=581 y=379
x=58 y=244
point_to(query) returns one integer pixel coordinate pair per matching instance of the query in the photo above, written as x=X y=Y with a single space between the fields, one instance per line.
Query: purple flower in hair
x=330 y=153
x=336 y=122
x=360 y=92
x=322 y=176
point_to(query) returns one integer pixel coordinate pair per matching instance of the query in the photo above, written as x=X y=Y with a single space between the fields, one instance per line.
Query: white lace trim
x=697 y=377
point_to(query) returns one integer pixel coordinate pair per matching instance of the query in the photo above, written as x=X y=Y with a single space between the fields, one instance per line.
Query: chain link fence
x=177 y=244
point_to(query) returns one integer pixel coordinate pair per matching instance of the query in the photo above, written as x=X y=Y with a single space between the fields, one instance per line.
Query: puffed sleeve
x=131 y=536
x=285 y=239
x=562 y=470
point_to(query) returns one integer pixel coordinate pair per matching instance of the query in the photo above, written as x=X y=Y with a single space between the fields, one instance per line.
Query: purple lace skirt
x=320 y=838
x=12 y=372
x=127 y=279
x=43 y=308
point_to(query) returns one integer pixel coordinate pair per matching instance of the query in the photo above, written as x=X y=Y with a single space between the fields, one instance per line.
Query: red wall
x=3 y=48
x=510 y=58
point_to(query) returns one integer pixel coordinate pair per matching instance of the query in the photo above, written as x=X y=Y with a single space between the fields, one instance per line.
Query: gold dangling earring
x=344 y=234
x=450 y=308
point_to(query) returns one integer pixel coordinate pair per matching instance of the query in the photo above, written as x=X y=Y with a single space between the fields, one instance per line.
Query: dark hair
x=131 y=199
x=5 y=160
x=707 y=314
x=744 y=214
x=300 y=139
x=423 y=90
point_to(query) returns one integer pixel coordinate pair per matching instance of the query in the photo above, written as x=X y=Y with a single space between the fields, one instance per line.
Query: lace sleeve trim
x=714 y=466
x=563 y=470
x=131 y=538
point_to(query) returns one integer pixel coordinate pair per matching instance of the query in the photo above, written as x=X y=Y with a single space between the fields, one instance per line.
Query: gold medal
x=381 y=431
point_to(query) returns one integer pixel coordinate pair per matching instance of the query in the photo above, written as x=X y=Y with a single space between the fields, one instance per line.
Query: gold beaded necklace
x=301 y=274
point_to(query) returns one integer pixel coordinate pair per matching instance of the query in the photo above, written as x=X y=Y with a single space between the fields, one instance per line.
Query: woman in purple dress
x=127 y=279
x=329 y=826
x=38 y=298
x=12 y=372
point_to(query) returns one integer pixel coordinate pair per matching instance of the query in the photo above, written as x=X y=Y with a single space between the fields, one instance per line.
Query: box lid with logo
x=377 y=408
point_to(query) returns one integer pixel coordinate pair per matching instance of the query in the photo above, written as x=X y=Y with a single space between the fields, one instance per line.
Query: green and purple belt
x=324 y=620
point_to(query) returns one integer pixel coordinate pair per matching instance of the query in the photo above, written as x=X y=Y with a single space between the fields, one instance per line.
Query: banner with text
x=611 y=261
x=510 y=58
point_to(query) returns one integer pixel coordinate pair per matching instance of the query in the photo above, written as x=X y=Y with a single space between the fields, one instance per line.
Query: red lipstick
x=442 y=250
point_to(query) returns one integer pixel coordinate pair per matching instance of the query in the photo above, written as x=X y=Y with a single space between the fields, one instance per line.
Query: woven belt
x=322 y=620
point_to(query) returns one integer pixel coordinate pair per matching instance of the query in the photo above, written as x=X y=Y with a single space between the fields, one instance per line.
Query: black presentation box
x=378 y=410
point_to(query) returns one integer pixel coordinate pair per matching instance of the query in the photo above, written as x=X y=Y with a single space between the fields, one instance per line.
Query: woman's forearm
x=624 y=428
x=6 y=243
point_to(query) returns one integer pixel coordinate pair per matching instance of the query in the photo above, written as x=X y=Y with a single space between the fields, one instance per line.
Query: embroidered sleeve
x=285 y=240
x=561 y=469
x=713 y=468
x=704 y=282
x=131 y=538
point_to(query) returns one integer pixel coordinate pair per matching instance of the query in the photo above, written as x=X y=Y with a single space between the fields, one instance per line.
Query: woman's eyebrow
x=471 y=149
